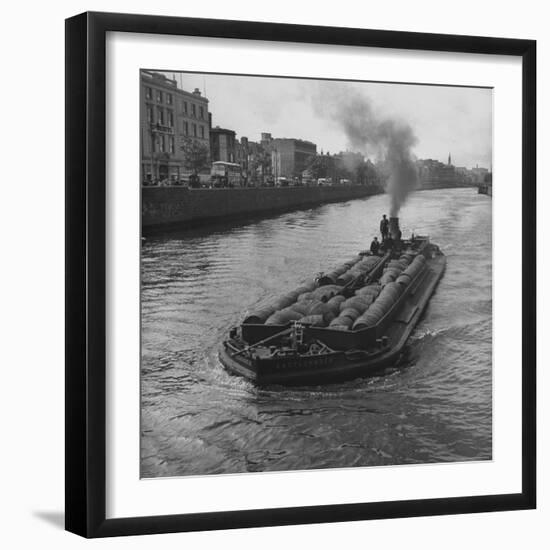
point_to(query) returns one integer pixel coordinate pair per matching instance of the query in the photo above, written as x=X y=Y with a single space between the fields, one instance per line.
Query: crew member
x=384 y=227
x=375 y=246
x=388 y=243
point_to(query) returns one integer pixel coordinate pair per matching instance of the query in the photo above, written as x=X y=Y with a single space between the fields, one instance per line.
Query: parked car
x=282 y=182
x=324 y=181
x=194 y=181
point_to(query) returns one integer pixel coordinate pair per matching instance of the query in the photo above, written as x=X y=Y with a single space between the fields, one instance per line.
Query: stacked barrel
x=352 y=308
x=395 y=279
x=319 y=306
x=316 y=307
x=304 y=303
x=324 y=306
x=349 y=270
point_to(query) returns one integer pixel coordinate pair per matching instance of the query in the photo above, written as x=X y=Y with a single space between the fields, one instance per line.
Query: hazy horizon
x=444 y=119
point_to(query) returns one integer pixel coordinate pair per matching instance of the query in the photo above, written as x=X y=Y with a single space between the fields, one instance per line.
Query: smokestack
x=394 y=228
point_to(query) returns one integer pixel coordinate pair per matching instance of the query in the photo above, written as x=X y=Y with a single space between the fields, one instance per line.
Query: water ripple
x=435 y=406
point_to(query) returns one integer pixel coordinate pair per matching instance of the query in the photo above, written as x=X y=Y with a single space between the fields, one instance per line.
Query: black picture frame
x=86 y=264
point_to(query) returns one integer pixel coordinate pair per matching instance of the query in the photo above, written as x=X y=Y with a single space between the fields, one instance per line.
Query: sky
x=443 y=119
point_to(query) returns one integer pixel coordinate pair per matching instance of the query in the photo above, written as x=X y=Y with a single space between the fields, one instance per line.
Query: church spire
x=449 y=161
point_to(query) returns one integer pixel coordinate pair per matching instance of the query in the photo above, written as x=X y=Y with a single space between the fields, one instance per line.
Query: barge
x=348 y=323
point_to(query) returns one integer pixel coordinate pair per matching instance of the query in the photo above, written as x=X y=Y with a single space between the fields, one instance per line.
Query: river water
x=436 y=406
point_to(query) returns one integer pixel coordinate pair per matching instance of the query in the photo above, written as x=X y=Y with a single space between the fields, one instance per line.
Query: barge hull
x=341 y=366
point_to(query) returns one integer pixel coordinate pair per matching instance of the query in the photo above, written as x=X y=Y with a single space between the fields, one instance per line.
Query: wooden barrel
x=341 y=323
x=356 y=302
x=403 y=279
x=319 y=308
x=335 y=301
x=301 y=307
x=313 y=320
x=350 y=312
x=373 y=290
x=282 y=302
x=283 y=317
x=259 y=317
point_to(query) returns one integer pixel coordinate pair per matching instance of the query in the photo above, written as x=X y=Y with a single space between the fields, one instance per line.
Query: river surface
x=436 y=406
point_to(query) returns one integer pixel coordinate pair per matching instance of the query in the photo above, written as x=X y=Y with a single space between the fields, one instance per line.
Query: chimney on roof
x=196 y=91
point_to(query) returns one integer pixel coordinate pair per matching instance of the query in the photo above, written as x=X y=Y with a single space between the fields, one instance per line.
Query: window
x=185 y=128
x=202 y=132
x=185 y=107
x=149 y=114
x=193 y=109
x=171 y=145
x=195 y=130
x=201 y=110
x=169 y=99
x=161 y=143
x=159 y=96
x=171 y=119
x=148 y=92
x=160 y=115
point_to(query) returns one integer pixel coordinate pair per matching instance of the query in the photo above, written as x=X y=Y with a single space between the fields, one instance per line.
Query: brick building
x=433 y=173
x=222 y=145
x=290 y=157
x=169 y=116
x=254 y=159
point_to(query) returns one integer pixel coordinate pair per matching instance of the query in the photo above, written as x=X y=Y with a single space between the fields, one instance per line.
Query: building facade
x=255 y=161
x=222 y=145
x=433 y=173
x=479 y=174
x=169 y=117
x=290 y=156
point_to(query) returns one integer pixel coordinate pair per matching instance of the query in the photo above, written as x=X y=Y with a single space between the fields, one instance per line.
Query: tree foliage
x=320 y=167
x=195 y=155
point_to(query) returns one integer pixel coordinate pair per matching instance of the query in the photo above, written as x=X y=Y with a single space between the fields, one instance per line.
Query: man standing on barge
x=384 y=227
x=375 y=246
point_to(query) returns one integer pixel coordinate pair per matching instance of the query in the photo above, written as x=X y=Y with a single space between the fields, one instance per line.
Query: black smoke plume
x=392 y=139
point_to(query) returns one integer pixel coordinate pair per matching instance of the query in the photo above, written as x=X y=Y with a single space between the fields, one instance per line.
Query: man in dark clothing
x=388 y=243
x=375 y=246
x=384 y=227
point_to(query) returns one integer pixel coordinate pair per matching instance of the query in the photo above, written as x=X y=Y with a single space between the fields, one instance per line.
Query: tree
x=258 y=164
x=320 y=167
x=195 y=155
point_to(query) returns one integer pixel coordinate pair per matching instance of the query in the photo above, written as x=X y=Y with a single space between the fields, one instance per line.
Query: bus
x=225 y=174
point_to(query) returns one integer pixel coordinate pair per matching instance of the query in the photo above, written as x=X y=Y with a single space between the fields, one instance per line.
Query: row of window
x=164 y=144
x=163 y=117
x=193 y=110
x=196 y=131
x=160 y=96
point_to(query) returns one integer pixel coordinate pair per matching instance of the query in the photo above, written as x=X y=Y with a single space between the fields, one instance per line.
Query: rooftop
x=160 y=79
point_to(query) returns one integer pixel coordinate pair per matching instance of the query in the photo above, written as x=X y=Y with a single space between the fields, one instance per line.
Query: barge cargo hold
x=349 y=323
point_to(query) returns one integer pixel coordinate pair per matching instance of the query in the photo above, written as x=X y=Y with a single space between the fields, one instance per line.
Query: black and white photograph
x=316 y=273
x=260 y=290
